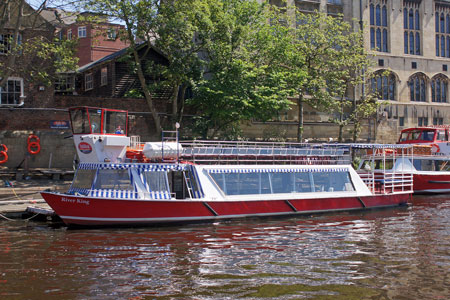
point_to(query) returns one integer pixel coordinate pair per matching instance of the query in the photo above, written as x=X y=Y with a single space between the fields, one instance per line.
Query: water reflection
x=385 y=254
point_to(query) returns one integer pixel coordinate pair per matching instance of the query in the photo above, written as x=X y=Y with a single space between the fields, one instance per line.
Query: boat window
x=336 y=182
x=417 y=163
x=114 y=122
x=113 y=179
x=95 y=117
x=156 y=181
x=83 y=179
x=387 y=164
x=442 y=136
x=431 y=165
x=427 y=135
x=414 y=135
x=281 y=182
x=80 y=121
x=404 y=136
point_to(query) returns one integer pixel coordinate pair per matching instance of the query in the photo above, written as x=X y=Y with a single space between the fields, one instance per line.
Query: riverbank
x=21 y=199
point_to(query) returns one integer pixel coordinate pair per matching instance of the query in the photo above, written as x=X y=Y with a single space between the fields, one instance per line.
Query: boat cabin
x=436 y=136
x=187 y=181
x=100 y=134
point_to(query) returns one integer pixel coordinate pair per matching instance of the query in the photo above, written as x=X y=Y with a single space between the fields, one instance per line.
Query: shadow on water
x=399 y=253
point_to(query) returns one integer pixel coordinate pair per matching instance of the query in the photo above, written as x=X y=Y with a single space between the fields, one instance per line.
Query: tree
x=174 y=27
x=244 y=79
x=29 y=46
x=351 y=69
x=321 y=46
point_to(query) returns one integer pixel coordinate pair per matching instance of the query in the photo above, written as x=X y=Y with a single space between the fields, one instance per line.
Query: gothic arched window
x=439 y=88
x=417 y=88
x=384 y=85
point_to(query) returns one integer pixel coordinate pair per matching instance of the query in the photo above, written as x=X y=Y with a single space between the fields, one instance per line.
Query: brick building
x=96 y=39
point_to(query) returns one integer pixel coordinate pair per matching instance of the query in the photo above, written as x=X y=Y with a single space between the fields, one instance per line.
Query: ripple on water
x=385 y=254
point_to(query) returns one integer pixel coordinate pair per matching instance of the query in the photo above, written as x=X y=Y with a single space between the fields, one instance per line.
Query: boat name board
x=75 y=201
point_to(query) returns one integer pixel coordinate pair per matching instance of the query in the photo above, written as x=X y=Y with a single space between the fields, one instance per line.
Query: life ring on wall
x=33 y=137
x=5 y=157
x=33 y=145
x=435 y=146
x=3 y=148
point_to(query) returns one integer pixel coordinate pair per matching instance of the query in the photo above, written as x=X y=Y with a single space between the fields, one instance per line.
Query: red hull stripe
x=431 y=183
x=88 y=211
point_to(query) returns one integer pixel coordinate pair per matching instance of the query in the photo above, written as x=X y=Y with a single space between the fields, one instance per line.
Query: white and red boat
x=431 y=164
x=153 y=183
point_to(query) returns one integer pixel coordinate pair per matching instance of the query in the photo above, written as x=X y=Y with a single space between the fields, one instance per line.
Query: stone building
x=410 y=39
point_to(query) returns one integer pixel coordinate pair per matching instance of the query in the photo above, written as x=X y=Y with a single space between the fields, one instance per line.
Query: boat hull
x=431 y=183
x=88 y=211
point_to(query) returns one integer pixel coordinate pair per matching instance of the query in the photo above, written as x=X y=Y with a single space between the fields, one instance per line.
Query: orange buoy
x=34 y=147
x=5 y=157
x=33 y=137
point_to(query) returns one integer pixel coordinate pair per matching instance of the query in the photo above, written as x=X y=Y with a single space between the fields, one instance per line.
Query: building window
x=442 y=28
x=6 y=41
x=82 y=32
x=379 y=25
x=439 y=89
x=401 y=121
x=111 y=34
x=384 y=85
x=69 y=34
x=411 y=26
x=438 y=121
x=12 y=92
x=65 y=84
x=104 y=76
x=422 y=121
x=88 y=82
x=338 y=2
x=417 y=88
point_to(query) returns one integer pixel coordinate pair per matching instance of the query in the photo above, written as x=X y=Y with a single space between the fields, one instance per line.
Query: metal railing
x=223 y=152
x=387 y=182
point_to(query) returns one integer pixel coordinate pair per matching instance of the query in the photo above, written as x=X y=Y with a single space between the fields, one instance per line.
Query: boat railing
x=223 y=152
x=388 y=182
x=380 y=171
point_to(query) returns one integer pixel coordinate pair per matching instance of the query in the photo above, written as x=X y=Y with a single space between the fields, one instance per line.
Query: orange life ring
x=33 y=137
x=34 y=145
x=3 y=146
x=437 y=148
x=5 y=157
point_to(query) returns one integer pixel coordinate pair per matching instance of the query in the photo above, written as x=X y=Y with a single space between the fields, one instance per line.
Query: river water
x=401 y=253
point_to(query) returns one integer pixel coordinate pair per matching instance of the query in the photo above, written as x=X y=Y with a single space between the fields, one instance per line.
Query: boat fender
x=34 y=148
x=33 y=137
x=5 y=157
x=435 y=148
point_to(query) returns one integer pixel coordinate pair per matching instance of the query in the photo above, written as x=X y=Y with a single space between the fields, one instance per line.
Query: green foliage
x=244 y=80
x=32 y=51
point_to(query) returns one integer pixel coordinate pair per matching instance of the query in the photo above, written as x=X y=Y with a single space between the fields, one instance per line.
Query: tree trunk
x=174 y=117
x=356 y=130
x=181 y=110
x=300 y=118
x=341 y=122
x=148 y=96
x=142 y=81
x=341 y=130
